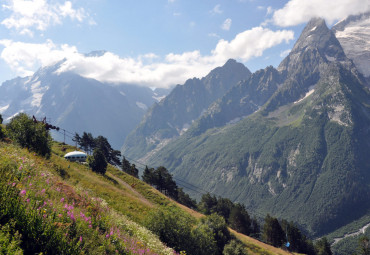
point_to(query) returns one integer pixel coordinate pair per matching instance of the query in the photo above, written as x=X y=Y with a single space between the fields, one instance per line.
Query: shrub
x=30 y=135
x=234 y=248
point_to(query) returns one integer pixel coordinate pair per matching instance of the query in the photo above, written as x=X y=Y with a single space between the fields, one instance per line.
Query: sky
x=154 y=43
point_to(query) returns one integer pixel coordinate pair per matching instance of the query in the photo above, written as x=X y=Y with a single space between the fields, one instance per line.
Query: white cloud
x=300 y=11
x=216 y=9
x=25 y=58
x=148 y=70
x=26 y=15
x=226 y=25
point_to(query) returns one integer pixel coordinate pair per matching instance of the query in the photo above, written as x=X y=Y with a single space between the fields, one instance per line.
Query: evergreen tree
x=255 y=228
x=134 y=171
x=239 y=219
x=185 y=199
x=87 y=142
x=76 y=138
x=224 y=207
x=148 y=175
x=111 y=155
x=208 y=204
x=322 y=247
x=1 y=119
x=272 y=232
x=97 y=162
x=125 y=165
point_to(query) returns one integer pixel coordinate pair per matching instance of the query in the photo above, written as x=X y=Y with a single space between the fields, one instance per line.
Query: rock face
x=353 y=34
x=176 y=113
x=290 y=141
x=77 y=104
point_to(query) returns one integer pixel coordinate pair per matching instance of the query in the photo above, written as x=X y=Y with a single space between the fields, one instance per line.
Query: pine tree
x=97 y=162
x=272 y=232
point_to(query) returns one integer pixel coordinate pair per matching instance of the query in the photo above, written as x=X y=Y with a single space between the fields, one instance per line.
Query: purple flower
x=28 y=200
x=13 y=184
x=43 y=191
x=20 y=168
x=62 y=200
x=80 y=238
x=23 y=192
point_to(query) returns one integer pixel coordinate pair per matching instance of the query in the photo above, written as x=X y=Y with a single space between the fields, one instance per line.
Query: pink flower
x=60 y=216
x=23 y=192
x=80 y=238
x=43 y=191
x=62 y=200
x=42 y=174
x=30 y=184
x=20 y=168
x=90 y=226
x=13 y=184
x=28 y=200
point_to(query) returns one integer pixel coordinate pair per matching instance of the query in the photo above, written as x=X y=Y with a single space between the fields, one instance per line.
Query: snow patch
x=122 y=93
x=158 y=98
x=307 y=95
x=142 y=106
x=313 y=29
x=37 y=93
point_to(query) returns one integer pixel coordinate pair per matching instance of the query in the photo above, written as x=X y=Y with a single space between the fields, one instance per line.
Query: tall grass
x=43 y=213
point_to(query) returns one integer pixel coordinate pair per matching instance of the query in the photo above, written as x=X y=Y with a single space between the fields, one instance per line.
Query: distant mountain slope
x=78 y=104
x=303 y=154
x=186 y=103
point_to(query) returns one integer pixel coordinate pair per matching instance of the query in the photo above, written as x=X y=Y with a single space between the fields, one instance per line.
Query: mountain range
x=291 y=141
x=78 y=104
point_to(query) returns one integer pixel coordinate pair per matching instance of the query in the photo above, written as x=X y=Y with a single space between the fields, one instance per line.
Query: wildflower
x=42 y=174
x=20 y=168
x=23 y=192
x=80 y=238
x=27 y=200
x=62 y=200
x=30 y=184
x=47 y=181
x=60 y=216
x=90 y=226
x=13 y=184
x=44 y=216
x=43 y=191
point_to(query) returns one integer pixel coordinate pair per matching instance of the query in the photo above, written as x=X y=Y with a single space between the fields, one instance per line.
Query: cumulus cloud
x=226 y=25
x=300 y=11
x=25 y=58
x=26 y=15
x=149 y=69
x=216 y=9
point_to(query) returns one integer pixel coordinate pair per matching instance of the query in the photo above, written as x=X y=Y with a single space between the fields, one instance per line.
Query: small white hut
x=76 y=156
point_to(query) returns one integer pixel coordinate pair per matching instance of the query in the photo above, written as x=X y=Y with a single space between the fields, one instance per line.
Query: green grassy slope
x=64 y=206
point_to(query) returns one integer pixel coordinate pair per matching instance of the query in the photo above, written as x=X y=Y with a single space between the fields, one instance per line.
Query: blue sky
x=154 y=43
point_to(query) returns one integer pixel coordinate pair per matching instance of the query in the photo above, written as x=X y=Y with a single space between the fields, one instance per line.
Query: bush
x=172 y=228
x=30 y=135
x=234 y=248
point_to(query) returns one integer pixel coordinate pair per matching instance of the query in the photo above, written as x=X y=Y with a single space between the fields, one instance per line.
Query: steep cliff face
x=176 y=113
